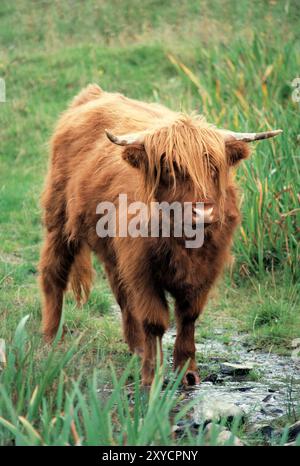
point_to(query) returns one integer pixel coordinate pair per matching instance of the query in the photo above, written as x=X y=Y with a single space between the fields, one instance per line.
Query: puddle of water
x=275 y=392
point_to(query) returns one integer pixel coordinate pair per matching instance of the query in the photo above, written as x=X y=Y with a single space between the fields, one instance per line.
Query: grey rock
x=195 y=425
x=180 y=429
x=210 y=409
x=220 y=435
x=211 y=378
x=177 y=429
x=211 y=429
x=182 y=423
x=266 y=431
x=294 y=431
x=271 y=411
x=236 y=368
x=226 y=437
x=267 y=398
x=251 y=395
x=243 y=389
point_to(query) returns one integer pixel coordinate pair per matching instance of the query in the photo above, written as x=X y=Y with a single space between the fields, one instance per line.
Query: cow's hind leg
x=56 y=260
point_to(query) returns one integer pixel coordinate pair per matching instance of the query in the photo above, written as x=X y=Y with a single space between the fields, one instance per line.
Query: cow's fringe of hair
x=192 y=146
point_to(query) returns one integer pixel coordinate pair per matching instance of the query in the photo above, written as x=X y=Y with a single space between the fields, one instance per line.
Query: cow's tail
x=81 y=275
x=91 y=92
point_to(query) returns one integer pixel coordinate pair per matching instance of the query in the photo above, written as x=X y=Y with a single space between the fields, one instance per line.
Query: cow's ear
x=236 y=151
x=135 y=156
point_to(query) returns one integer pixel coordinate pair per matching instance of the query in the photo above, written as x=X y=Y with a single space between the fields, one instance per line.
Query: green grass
x=232 y=61
x=51 y=409
x=41 y=405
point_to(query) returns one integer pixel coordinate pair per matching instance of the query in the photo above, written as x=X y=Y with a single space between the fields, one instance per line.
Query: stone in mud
x=178 y=429
x=243 y=389
x=230 y=368
x=215 y=433
x=270 y=410
x=266 y=431
x=181 y=428
x=216 y=358
x=210 y=409
x=267 y=398
x=212 y=429
x=294 y=431
x=213 y=378
x=226 y=437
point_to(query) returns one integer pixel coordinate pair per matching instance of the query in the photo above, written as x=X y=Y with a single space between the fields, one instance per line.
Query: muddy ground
x=263 y=388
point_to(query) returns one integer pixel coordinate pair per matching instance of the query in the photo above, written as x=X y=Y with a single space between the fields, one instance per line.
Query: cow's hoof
x=147 y=382
x=191 y=378
x=49 y=336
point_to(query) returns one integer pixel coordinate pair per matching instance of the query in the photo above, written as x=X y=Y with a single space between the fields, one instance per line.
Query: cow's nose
x=205 y=213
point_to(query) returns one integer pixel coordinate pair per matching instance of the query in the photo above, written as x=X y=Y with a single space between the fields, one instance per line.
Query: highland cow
x=149 y=153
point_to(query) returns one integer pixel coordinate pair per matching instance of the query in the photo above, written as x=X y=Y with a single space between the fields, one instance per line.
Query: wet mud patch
x=237 y=381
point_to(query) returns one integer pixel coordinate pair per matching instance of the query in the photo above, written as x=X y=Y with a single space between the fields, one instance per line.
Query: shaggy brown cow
x=163 y=156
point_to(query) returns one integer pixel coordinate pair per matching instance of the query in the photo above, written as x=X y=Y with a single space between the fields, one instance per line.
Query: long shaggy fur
x=81 y=275
x=192 y=146
x=183 y=159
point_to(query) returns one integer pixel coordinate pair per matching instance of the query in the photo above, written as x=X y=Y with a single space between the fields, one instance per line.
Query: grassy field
x=234 y=62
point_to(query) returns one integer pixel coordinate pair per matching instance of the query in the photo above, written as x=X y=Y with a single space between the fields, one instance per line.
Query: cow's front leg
x=184 y=350
x=148 y=304
x=154 y=317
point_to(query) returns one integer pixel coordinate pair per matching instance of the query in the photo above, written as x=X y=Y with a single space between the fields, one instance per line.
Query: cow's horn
x=249 y=137
x=126 y=139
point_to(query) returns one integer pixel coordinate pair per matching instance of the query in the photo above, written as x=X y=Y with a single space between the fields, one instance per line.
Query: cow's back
x=80 y=148
x=93 y=110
